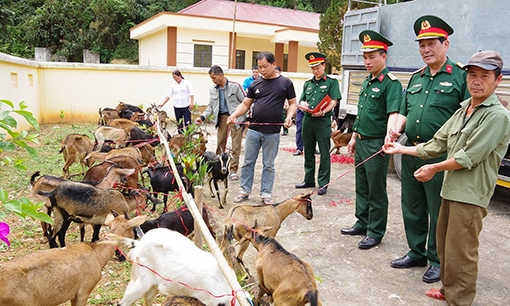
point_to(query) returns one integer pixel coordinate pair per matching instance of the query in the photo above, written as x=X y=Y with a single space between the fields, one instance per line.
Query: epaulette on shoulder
x=419 y=70
x=460 y=65
x=391 y=76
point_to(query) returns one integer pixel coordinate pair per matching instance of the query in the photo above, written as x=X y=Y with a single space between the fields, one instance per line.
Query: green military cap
x=373 y=41
x=315 y=58
x=429 y=26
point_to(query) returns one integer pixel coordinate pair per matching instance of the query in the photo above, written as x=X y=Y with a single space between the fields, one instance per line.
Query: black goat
x=137 y=135
x=163 y=180
x=218 y=171
x=180 y=220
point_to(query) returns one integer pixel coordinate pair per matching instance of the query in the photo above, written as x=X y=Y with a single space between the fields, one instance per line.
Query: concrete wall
x=153 y=49
x=79 y=89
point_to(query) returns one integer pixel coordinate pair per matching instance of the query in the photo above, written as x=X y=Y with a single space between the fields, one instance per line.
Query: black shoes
x=368 y=243
x=297 y=153
x=285 y=133
x=322 y=191
x=432 y=275
x=353 y=231
x=407 y=262
x=305 y=185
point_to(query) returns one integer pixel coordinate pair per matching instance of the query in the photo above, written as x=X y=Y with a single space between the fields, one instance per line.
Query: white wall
x=153 y=49
x=79 y=90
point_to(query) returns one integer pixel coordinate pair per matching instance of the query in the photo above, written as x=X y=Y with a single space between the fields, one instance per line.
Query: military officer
x=434 y=93
x=316 y=128
x=380 y=97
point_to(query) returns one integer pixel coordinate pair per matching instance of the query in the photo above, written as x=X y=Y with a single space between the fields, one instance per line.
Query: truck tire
x=397 y=158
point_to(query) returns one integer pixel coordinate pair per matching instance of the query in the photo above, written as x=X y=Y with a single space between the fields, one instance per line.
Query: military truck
x=478 y=25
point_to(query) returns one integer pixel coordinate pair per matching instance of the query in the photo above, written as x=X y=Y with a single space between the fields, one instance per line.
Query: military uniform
x=378 y=97
x=429 y=102
x=318 y=129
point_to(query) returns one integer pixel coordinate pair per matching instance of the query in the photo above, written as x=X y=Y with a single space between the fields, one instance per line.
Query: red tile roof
x=254 y=13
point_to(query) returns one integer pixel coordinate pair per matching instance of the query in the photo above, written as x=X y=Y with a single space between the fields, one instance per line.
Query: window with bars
x=240 y=59
x=202 y=56
x=254 y=58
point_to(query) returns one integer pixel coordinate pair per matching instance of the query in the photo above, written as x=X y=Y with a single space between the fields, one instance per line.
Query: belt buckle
x=415 y=143
x=359 y=135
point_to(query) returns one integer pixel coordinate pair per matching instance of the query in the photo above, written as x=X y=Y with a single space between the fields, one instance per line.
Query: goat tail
x=44 y=193
x=312 y=297
x=62 y=149
x=32 y=178
x=229 y=232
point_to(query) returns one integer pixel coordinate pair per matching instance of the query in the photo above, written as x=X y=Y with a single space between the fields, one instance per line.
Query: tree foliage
x=66 y=27
x=10 y=140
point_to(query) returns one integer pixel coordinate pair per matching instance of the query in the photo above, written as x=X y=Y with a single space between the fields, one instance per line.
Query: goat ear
x=109 y=219
x=136 y=221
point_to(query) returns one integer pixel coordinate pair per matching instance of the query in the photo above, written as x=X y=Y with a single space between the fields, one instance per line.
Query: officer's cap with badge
x=373 y=41
x=429 y=27
x=315 y=58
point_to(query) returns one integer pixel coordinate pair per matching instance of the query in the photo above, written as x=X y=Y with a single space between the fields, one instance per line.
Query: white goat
x=179 y=264
x=55 y=276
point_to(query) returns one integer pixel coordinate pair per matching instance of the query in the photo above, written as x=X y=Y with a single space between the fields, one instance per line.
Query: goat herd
x=163 y=260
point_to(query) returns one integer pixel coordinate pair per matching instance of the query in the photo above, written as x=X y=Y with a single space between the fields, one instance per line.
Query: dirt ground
x=351 y=276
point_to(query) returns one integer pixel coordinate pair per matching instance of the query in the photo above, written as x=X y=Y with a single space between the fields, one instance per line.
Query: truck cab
x=395 y=22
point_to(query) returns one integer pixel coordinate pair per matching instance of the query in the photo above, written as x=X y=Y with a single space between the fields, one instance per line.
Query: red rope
x=346 y=172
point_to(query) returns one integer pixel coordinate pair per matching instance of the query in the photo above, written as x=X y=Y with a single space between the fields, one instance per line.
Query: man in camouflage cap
x=379 y=100
x=433 y=94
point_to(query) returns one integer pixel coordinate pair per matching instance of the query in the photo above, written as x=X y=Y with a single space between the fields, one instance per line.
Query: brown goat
x=53 y=277
x=125 y=162
x=75 y=147
x=286 y=279
x=147 y=153
x=107 y=115
x=241 y=216
x=103 y=133
x=177 y=141
x=340 y=140
x=154 y=114
x=94 y=157
x=125 y=124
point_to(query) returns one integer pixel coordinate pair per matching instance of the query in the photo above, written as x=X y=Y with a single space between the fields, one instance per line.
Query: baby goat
x=218 y=166
x=183 y=269
x=241 y=216
x=286 y=279
x=53 y=277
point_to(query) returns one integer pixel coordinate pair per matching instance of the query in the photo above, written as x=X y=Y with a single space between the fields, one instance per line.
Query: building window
x=285 y=62
x=254 y=58
x=202 y=56
x=240 y=59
